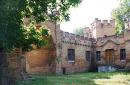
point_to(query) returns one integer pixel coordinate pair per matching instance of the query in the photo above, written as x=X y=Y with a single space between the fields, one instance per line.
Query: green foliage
x=33 y=36
x=78 y=31
x=14 y=34
x=120 y=14
x=10 y=20
x=46 y=9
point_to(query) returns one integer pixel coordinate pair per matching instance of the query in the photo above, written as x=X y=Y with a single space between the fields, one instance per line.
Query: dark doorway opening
x=64 y=71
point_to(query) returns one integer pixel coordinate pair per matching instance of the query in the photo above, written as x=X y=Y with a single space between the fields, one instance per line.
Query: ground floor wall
x=79 y=64
x=115 y=55
x=44 y=61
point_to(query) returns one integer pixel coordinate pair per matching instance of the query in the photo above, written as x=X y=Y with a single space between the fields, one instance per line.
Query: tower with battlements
x=103 y=28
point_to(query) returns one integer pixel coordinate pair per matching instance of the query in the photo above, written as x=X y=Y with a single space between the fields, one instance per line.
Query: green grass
x=116 y=78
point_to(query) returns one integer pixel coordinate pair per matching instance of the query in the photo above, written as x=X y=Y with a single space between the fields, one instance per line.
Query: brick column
x=58 y=50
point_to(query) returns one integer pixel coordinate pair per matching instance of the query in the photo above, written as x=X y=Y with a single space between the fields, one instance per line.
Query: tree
x=13 y=33
x=120 y=13
x=79 y=31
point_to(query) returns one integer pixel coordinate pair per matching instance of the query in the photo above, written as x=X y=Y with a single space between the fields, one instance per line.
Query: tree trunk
x=4 y=79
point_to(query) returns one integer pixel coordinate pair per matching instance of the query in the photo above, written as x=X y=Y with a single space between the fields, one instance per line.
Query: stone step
x=106 y=69
x=26 y=76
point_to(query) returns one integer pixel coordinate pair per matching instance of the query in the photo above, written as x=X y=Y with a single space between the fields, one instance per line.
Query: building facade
x=70 y=53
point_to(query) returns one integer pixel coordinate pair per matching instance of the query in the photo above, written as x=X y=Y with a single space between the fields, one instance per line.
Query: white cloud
x=87 y=12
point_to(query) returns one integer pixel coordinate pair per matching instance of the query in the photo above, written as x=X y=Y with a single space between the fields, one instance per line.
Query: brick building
x=70 y=53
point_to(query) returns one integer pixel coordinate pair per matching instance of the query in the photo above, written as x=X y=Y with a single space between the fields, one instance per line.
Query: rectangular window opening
x=71 y=55
x=88 y=56
x=122 y=54
x=98 y=55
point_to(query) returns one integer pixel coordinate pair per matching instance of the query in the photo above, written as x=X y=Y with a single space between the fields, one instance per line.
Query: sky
x=87 y=11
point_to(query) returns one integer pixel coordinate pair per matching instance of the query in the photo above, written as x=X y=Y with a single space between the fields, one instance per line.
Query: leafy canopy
x=13 y=33
x=120 y=14
x=79 y=31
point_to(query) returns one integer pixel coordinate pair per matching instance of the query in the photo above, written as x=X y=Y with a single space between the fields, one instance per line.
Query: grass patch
x=116 y=78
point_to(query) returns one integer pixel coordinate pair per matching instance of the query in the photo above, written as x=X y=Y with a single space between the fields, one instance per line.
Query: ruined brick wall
x=41 y=61
x=40 y=65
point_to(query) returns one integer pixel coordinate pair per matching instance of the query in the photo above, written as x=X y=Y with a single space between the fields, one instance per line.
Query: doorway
x=109 y=56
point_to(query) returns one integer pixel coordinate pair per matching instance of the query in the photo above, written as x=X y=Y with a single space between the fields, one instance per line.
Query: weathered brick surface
x=80 y=63
x=41 y=61
x=116 y=45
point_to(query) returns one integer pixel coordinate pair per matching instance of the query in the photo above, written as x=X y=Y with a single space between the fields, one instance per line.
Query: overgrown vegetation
x=120 y=14
x=13 y=32
x=79 y=31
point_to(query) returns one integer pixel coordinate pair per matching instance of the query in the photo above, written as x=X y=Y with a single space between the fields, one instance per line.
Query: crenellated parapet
x=115 y=39
x=104 y=23
x=71 y=38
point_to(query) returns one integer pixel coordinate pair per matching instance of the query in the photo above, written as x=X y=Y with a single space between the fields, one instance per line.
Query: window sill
x=71 y=62
x=123 y=60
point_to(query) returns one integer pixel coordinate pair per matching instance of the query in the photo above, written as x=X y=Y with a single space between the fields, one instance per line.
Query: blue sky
x=87 y=11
